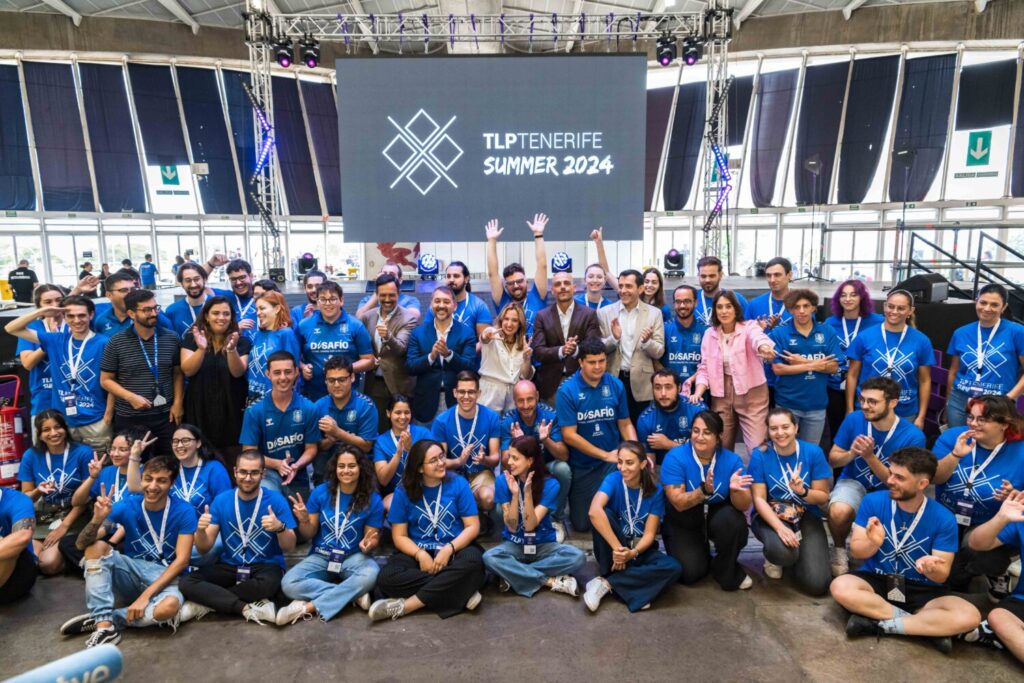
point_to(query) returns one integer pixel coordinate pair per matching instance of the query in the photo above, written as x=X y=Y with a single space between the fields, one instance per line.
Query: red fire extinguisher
x=12 y=435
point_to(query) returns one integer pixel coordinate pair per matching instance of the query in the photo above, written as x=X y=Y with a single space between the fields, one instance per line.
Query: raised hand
x=964 y=444
x=299 y=508
x=1012 y=509
x=96 y=464
x=517 y=430
x=492 y=230
x=513 y=484
x=103 y=505
x=271 y=523
x=232 y=342
x=89 y=283
x=205 y=519
x=598 y=234
x=875 y=531
x=616 y=328
x=140 y=445
x=218 y=260
x=543 y=430
x=528 y=486
x=527 y=353
x=796 y=482
x=540 y=221
x=739 y=481
x=200 y=337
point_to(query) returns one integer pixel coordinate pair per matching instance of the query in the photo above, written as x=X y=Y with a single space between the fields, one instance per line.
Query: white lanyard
x=789 y=472
x=339 y=531
x=188 y=490
x=981 y=347
x=700 y=466
x=74 y=364
x=118 y=489
x=977 y=470
x=847 y=339
x=246 y=534
x=157 y=540
x=243 y=311
x=60 y=328
x=890 y=356
x=704 y=306
x=771 y=312
x=897 y=542
x=434 y=516
x=192 y=311
x=888 y=435
x=522 y=506
x=632 y=517
x=63 y=471
x=465 y=442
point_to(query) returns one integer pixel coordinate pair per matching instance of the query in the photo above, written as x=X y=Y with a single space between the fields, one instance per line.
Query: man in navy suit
x=439 y=349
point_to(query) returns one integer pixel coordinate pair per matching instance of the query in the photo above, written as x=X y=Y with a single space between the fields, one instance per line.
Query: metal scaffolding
x=717 y=31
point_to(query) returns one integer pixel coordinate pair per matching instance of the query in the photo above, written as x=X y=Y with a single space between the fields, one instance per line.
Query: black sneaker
x=983 y=635
x=76 y=626
x=943 y=644
x=998 y=588
x=858 y=626
x=104 y=636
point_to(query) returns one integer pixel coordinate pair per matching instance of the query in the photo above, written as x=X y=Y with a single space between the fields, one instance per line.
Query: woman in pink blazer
x=731 y=355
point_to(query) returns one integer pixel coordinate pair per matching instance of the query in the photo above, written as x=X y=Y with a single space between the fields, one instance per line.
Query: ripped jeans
x=115 y=576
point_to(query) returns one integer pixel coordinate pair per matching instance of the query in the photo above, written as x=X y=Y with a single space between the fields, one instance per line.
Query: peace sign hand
x=96 y=464
x=142 y=444
x=102 y=506
x=299 y=508
x=796 y=482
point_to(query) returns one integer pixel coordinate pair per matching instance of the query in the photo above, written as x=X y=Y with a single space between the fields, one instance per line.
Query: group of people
x=178 y=454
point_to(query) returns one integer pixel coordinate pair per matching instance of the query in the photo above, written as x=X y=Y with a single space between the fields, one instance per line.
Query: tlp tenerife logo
x=422 y=152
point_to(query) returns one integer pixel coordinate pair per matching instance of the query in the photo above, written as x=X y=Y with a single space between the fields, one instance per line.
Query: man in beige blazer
x=389 y=326
x=634 y=337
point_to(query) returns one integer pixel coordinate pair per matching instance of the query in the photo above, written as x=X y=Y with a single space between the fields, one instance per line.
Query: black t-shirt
x=22 y=281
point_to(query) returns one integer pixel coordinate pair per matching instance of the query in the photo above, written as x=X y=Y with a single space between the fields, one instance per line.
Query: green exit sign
x=979 y=148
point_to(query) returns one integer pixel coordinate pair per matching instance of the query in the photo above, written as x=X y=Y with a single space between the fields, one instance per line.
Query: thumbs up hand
x=205 y=519
x=271 y=523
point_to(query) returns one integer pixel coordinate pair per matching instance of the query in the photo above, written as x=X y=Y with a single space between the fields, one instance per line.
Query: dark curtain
x=684 y=146
x=1017 y=169
x=60 y=144
x=817 y=131
x=157 y=110
x=322 y=113
x=985 y=98
x=922 y=125
x=659 y=108
x=115 y=156
x=241 y=117
x=740 y=93
x=208 y=136
x=872 y=94
x=17 y=189
x=293 y=150
x=776 y=93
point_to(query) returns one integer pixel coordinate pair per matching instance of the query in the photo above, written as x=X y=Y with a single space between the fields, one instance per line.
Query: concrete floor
x=770 y=633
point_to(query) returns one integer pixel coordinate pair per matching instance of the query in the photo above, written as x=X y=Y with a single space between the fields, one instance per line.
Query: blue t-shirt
x=114 y=482
x=139 y=543
x=705 y=307
x=548 y=498
x=264 y=343
x=1013 y=536
x=244 y=307
x=147 y=270
x=320 y=340
x=632 y=521
x=358 y=416
x=808 y=390
x=106 y=323
x=762 y=307
x=771 y=469
x=682 y=347
x=14 y=507
x=183 y=316
x=298 y=313
x=432 y=524
x=846 y=337
x=1008 y=464
x=82 y=386
x=262 y=546
x=936 y=531
x=462 y=435
x=40 y=381
x=675 y=424
x=681 y=468
x=545 y=413
x=533 y=305
x=200 y=485
x=384 y=449
x=854 y=425
x=404 y=300
x=67 y=472
x=278 y=434
x=582 y=300
x=916 y=351
x=1001 y=357
x=594 y=412
x=471 y=311
x=347 y=531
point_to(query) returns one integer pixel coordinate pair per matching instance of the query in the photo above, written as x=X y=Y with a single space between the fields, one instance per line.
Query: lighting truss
x=717 y=32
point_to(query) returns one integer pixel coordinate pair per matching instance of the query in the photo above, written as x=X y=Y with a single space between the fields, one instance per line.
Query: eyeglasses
x=338 y=380
x=465 y=392
x=519 y=282
x=978 y=419
x=238 y=278
x=329 y=302
x=248 y=474
x=182 y=442
x=436 y=461
x=870 y=401
x=150 y=309
x=192 y=281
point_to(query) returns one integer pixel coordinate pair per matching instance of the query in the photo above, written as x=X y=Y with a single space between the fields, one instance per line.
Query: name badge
x=158 y=401
x=974 y=392
x=530 y=544
x=895 y=588
x=334 y=561
x=799 y=534
x=70 y=406
x=964 y=512
x=243 y=574
x=55 y=524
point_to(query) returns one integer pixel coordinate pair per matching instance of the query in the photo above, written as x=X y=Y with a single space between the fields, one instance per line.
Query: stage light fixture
x=427 y=266
x=673 y=262
x=666 y=49
x=307 y=262
x=691 y=51
x=561 y=263
x=283 y=52
x=310 y=52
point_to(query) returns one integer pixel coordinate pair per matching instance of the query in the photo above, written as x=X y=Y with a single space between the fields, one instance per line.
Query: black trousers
x=159 y=426
x=687 y=537
x=835 y=413
x=446 y=592
x=216 y=586
x=21 y=580
x=969 y=563
x=635 y=407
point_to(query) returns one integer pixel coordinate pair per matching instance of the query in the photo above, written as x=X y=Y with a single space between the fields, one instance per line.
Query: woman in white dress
x=505 y=358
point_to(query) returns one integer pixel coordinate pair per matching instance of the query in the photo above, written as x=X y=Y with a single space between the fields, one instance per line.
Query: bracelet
x=453 y=547
x=538 y=237
x=958 y=457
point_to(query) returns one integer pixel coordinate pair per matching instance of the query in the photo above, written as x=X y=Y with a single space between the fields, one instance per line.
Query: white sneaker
x=840 y=561
x=504 y=586
x=1014 y=568
x=597 y=588
x=192 y=610
x=559 y=531
x=747 y=584
x=567 y=585
x=261 y=611
x=291 y=613
x=474 y=601
x=364 y=601
x=388 y=608
x=772 y=571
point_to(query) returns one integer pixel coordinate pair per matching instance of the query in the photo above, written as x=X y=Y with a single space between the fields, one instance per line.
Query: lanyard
x=976 y=470
x=118 y=489
x=154 y=367
x=192 y=311
x=888 y=435
x=246 y=534
x=59 y=328
x=243 y=311
x=157 y=540
x=339 y=531
x=74 y=364
x=704 y=306
x=434 y=516
x=789 y=472
x=771 y=312
x=700 y=467
x=63 y=471
x=981 y=346
x=897 y=542
x=466 y=442
x=632 y=517
x=461 y=317
x=847 y=339
x=189 y=490
x=890 y=356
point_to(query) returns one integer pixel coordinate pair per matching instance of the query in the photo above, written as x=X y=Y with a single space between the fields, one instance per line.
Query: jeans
x=956 y=408
x=585 y=483
x=527 y=574
x=811 y=424
x=809 y=563
x=272 y=481
x=559 y=469
x=643 y=579
x=116 y=576
x=310 y=580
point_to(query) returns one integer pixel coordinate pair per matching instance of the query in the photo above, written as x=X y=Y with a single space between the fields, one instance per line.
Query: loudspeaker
x=277 y=274
x=927 y=288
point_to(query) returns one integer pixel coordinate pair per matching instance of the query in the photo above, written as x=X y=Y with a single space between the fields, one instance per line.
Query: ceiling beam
x=748 y=9
x=66 y=10
x=848 y=10
x=577 y=8
x=357 y=8
x=175 y=8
